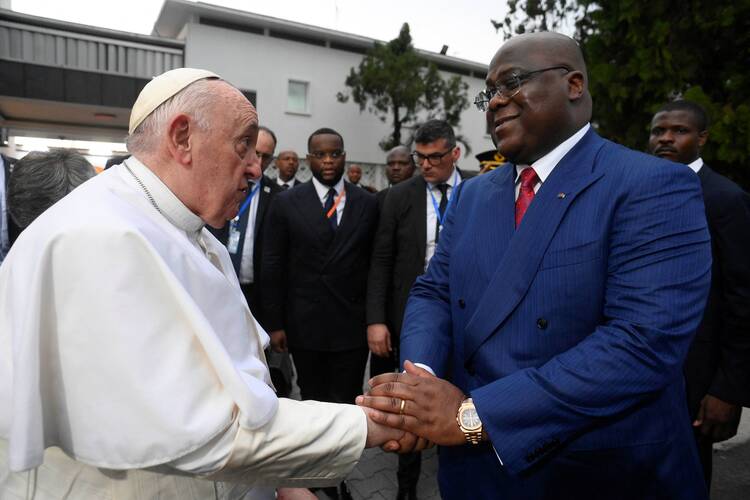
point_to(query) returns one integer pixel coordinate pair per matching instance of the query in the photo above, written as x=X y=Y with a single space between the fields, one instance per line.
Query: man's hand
x=278 y=341
x=430 y=405
x=379 y=339
x=717 y=419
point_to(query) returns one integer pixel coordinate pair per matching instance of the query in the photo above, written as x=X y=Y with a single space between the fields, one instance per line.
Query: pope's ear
x=179 y=140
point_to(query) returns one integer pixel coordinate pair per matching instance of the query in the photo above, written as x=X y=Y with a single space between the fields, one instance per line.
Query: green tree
x=395 y=83
x=641 y=54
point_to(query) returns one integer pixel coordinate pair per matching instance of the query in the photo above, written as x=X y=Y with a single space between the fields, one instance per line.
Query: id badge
x=233 y=242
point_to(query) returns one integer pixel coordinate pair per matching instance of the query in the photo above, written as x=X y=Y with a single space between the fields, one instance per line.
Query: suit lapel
x=518 y=265
x=264 y=197
x=499 y=220
x=349 y=220
x=311 y=211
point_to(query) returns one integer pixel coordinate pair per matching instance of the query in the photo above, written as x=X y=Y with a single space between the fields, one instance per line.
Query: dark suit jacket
x=571 y=331
x=398 y=252
x=13 y=229
x=268 y=189
x=315 y=280
x=719 y=359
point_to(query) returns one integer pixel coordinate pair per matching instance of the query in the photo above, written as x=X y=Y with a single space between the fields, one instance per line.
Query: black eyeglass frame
x=434 y=158
x=509 y=91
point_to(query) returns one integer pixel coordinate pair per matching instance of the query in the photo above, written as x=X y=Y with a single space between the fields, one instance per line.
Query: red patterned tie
x=526 y=193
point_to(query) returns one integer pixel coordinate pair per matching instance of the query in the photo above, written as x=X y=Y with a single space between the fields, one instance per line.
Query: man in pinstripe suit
x=561 y=303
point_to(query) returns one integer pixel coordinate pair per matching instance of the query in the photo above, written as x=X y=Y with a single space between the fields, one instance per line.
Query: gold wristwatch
x=468 y=422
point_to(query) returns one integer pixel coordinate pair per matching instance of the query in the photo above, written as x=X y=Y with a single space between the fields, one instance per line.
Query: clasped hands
x=418 y=403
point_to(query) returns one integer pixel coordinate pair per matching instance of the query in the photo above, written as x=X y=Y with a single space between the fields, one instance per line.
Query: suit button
x=470 y=368
x=461 y=304
x=541 y=323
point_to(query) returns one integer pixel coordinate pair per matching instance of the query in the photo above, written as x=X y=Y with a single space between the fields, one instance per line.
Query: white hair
x=195 y=100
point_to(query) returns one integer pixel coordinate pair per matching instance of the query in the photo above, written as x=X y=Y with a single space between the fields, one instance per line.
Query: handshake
x=411 y=411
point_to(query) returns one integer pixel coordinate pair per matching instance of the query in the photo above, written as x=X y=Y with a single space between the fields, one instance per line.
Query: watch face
x=470 y=419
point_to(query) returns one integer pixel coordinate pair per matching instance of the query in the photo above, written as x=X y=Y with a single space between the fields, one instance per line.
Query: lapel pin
x=561 y=196
x=266 y=189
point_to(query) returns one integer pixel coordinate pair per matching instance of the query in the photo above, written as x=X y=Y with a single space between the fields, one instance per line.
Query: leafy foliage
x=394 y=82
x=642 y=54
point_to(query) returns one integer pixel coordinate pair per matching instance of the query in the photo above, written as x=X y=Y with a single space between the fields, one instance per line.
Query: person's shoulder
x=626 y=167
x=403 y=187
x=721 y=194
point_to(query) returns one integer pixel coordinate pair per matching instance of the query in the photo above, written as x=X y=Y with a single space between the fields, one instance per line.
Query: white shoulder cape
x=119 y=341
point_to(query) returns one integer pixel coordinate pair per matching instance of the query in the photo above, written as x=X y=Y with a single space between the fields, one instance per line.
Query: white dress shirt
x=322 y=191
x=696 y=165
x=289 y=183
x=544 y=165
x=247 y=273
x=453 y=181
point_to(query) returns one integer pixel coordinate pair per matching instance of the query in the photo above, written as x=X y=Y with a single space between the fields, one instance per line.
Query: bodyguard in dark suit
x=717 y=369
x=561 y=303
x=315 y=260
x=244 y=236
x=287 y=163
x=316 y=256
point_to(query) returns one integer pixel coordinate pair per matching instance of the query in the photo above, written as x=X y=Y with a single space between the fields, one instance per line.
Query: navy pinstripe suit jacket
x=570 y=331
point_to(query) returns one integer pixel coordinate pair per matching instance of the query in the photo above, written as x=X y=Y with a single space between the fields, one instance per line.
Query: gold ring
x=403 y=404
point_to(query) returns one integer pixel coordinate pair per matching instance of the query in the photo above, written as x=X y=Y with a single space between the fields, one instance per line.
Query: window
x=297 y=97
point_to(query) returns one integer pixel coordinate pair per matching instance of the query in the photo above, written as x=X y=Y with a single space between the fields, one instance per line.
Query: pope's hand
x=429 y=407
x=381 y=435
x=379 y=339
x=278 y=341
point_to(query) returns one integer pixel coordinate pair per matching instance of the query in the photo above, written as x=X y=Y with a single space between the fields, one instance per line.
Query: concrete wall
x=265 y=65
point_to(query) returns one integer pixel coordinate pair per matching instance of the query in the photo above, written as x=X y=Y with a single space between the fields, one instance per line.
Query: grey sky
x=462 y=25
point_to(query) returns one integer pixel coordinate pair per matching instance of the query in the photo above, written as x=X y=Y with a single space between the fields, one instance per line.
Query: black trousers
x=335 y=377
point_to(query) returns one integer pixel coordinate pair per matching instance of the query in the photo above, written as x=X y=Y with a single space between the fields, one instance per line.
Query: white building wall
x=265 y=64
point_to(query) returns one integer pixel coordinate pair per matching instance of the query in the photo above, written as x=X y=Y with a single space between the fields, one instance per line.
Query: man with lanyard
x=408 y=231
x=246 y=247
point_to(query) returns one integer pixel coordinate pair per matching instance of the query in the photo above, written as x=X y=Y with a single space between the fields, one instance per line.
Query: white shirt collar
x=322 y=189
x=696 y=165
x=281 y=183
x=453 y=180
x=544 y=165
x=169 y=204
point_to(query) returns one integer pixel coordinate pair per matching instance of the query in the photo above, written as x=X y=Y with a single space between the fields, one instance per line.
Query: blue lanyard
x=450 y=199
x=247 y=202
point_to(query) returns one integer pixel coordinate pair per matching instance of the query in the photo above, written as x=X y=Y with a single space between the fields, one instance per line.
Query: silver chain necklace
x=145 y=189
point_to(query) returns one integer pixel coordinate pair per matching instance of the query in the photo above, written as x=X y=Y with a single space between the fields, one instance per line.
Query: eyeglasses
x=321 y=155
x=434 y=158
x=508 y=88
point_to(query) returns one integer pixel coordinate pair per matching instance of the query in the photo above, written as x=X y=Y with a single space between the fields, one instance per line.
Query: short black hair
x=269 y=132
x=432 y=130
x=698 y=112
x=323 y=131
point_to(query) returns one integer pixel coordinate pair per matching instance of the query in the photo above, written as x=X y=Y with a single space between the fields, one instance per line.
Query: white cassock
x=131 y=367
